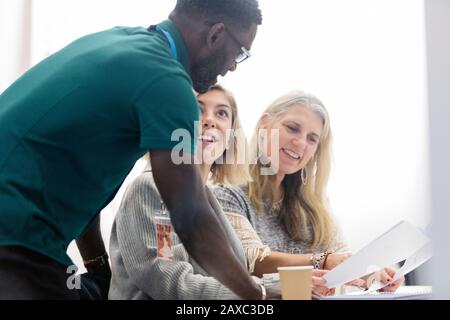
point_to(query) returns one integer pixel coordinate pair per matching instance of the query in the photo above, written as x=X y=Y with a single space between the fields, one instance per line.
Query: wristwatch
x=99 y=261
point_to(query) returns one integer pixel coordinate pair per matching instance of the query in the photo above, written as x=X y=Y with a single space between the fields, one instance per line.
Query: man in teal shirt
x=72 y=127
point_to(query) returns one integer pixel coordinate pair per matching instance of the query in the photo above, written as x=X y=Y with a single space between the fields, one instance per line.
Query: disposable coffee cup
x=296 y=282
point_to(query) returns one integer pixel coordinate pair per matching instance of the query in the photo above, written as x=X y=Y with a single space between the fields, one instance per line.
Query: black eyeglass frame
x=244 y=54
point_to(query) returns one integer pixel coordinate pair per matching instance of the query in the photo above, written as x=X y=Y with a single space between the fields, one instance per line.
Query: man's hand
x=319 y=284
x=91 y=246
x=385 y=277
x=273 y=292
x=102 y=271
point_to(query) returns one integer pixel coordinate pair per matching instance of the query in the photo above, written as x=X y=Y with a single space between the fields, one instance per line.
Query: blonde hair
x=303 y=205
x=228 y=168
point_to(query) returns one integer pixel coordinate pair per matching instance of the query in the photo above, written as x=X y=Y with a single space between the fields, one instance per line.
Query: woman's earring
x=263 y=159
x=304 y=176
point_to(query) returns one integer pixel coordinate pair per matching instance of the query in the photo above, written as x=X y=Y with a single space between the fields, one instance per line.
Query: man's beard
x=204 y=74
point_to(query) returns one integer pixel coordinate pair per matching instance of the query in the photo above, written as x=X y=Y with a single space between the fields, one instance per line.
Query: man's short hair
x=242 y=13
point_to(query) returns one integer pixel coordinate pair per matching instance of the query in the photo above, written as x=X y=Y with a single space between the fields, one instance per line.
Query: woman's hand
x=334 y=259
x=360 y=283
x=319 y=284
x=387 y=275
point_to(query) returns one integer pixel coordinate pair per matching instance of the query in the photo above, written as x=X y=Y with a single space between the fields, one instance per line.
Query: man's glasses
x=243 y=54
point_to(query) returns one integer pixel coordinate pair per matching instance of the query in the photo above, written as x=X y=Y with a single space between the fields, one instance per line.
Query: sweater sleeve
x=251 y=243
x=230 y=199
x=158 y=278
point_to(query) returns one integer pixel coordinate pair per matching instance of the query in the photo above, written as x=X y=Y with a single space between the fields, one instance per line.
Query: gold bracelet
x=317 y=259
x=327 y=253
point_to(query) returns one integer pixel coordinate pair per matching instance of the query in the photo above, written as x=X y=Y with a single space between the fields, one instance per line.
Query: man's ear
x=215 y=35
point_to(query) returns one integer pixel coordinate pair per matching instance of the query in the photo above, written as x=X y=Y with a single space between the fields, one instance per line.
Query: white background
x=365 y=59
x=438 y=57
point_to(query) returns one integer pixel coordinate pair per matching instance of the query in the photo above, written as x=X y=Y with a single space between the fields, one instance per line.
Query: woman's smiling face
x=215 y=122
x=300 y=129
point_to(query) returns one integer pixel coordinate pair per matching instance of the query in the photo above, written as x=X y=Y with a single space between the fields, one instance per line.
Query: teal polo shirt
x=73 y=126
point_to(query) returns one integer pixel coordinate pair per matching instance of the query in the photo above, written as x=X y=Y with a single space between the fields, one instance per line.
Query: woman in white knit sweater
x=148 y=260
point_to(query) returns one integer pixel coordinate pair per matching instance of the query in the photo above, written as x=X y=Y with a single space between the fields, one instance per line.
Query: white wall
x=57 y=23
x=15 y=39
x=438 y=44
x=364 y=59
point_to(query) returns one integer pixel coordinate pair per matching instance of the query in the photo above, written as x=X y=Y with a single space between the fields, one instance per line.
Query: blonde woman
x=144 y=265
x=286 y=202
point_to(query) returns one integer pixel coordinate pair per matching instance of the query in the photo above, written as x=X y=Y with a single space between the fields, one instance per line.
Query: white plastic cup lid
x=295 y=268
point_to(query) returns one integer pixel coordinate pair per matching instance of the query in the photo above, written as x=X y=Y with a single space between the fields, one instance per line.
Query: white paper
x=403 y=293
x=398 y=243
x=417 y=259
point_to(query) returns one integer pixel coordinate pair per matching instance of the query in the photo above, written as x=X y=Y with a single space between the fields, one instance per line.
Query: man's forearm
x=210 y=247
x=182 y=190
x=91 y=244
